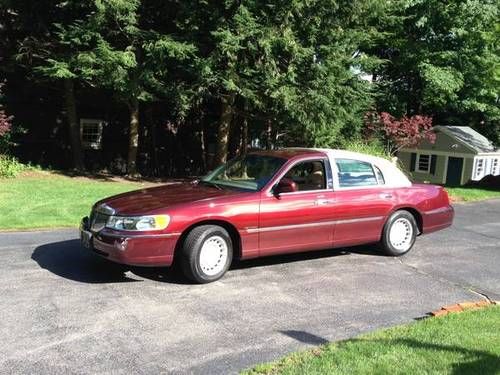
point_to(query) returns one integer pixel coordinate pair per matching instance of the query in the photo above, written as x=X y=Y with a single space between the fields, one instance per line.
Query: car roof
x=290 y=153
x=393 y=176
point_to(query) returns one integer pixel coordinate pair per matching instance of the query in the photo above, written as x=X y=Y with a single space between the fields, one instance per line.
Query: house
x=460 y=154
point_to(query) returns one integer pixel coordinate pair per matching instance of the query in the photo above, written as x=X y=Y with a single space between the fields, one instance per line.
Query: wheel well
x=231 y=229
x=416 y=215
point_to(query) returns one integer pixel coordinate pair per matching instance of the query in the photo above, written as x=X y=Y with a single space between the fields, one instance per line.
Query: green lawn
x=463 y=343
x=47 y=200
x=470 y=194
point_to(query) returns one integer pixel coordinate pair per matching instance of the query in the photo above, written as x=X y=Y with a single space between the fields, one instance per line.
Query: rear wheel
x=207 y=253
x=399 y=234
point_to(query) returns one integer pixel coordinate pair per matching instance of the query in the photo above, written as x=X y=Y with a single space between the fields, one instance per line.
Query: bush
x=373 y=148
x=11 y=167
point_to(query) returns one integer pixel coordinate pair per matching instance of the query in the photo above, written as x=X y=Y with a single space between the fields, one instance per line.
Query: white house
x=460 y=154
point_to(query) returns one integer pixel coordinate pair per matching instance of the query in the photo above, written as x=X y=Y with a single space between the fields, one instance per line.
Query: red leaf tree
x=5 y=127
x=399 y=133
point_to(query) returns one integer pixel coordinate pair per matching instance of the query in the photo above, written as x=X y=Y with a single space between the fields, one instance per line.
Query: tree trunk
x=133 y=143
x=203 y=148
x=234 y=142
x=150 y=135
x=73 y=124
x=244 y=130
x=269 y=134
x=227 y=103
x=154 y=150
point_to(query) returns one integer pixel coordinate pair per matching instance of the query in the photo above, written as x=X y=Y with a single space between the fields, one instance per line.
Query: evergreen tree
x=297 y=65
x=443 y=59
x=33 y=42
x=118 y=46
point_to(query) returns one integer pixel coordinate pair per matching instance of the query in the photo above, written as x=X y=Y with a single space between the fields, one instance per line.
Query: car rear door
x=300 y=220
x=362 y=202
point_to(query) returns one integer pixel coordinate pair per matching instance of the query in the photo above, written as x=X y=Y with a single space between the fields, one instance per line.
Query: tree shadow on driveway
x=68 y=259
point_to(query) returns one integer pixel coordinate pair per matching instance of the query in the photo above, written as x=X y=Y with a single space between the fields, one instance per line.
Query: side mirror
x=286 y=185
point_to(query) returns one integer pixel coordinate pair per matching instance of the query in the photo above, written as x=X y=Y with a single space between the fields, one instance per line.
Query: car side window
x=308 y=175
x=380 y=176
x=355 y=173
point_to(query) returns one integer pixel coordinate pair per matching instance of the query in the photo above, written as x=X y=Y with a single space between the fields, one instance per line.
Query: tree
x=112 y=50
x=295 y=65
x=5 y=127
x=399 y=133
x=29 y=28
x=442 y=60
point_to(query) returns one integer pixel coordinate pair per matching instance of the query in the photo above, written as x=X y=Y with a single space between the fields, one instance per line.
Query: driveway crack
x=480 y=234
x=469 y=288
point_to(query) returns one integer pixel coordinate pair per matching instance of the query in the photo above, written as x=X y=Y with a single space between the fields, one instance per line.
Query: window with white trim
x=494 y=167
x=354 y=173
x=91 y=133
x=479 y=167
x=424 y=163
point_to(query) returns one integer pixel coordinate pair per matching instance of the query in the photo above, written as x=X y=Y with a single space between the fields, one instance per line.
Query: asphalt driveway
x=63 y=310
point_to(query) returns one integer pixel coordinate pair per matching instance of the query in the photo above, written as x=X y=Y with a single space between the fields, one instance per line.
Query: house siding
x=468 y=169
x=488 y=160
x=404 y=158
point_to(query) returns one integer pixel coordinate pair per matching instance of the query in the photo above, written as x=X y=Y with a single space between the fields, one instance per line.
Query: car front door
x=299 y=220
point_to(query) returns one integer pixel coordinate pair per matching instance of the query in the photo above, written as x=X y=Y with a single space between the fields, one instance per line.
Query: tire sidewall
x=201 y=276
x=388 y=248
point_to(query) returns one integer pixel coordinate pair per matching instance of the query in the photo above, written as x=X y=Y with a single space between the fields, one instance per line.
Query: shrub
x=5 y=127
x=398 y=133
x=11 y=167
x=374 y=148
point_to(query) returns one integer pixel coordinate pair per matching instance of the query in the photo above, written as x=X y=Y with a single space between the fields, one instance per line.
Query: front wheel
x=399 y=234
x=207 y=253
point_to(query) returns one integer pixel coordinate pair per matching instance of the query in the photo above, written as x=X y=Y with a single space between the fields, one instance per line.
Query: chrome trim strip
x=317 y=191
x=293 y=226
x=360 y=220
x=307 y=225
x=132 y=236
x=439 y=210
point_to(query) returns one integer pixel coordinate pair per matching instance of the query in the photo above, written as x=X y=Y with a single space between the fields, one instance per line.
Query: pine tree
x=443 y=59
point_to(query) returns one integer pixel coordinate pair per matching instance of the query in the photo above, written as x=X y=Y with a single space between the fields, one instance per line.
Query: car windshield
x=250 y=172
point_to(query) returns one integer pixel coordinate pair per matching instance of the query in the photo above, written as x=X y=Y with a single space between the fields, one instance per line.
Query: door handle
x=386 y=196
x=322 y=202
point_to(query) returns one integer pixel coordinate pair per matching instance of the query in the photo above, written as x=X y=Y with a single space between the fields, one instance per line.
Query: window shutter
x=413 y=162
x=433 y=164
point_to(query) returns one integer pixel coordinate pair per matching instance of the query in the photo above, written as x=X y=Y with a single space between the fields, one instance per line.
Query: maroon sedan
x=267 y=203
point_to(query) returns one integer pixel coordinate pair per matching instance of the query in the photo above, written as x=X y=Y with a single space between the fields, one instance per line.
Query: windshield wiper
x=210 y=183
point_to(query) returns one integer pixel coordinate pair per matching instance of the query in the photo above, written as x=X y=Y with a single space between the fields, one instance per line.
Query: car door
x=300 y=220
x=362 y=202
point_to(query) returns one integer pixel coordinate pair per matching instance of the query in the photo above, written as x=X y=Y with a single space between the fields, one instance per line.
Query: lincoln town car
x=266 y=203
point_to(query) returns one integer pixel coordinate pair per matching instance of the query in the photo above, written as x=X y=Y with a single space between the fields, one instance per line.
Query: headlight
x=153 y=222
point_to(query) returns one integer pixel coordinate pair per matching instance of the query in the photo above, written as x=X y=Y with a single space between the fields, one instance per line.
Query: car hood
x=156 y=199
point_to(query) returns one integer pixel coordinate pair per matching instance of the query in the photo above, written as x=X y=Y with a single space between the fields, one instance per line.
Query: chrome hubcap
x=401 y=234
x=213 y=255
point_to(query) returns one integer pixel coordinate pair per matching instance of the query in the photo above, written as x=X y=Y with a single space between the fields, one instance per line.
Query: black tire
x=401 y=217
x=191 y=250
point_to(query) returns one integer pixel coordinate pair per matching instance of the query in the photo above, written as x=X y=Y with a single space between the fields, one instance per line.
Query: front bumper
x=141 y=249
